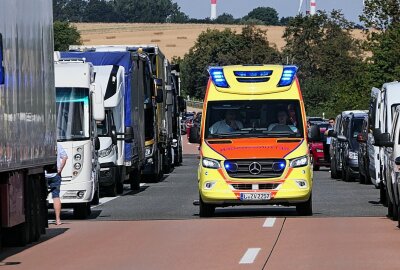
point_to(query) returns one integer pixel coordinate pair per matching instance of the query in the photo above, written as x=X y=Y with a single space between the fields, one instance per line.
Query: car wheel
x=305 y=208
x=334 y=174
x=134 y=179
x=206 y=210
x=382 y=194
x=316 y=168
x=362 y=179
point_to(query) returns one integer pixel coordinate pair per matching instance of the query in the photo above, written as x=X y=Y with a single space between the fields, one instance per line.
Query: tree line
x=150 y=11
x=336 y=70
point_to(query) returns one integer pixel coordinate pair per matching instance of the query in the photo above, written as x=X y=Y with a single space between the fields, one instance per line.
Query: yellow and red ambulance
x=253 y=144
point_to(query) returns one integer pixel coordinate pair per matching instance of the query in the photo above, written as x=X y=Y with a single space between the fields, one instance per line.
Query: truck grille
x=268 y=168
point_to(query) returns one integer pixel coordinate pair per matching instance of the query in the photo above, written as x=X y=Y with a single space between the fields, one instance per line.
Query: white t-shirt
x=60 y=155
x=221 y=127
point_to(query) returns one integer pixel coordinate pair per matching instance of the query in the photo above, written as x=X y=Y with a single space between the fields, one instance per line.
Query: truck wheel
x=134 y=179
x=112 y=190
x=120 y=179
x=82 y=211
x=305 y=208
x=316 y=168
x=206 y=210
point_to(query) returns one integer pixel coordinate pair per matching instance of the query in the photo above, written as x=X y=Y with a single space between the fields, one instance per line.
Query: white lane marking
x=250 y=256
x=269 y=222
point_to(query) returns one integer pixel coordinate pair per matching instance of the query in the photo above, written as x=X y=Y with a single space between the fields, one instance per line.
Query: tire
x=120 y=179
x=343 y=176
x=348 y=176
x=205 y=209
x=96 y=197
x=305 y=208
x=316 y=168
x=134 y=179
x=15 y=236
x=363 y=179
x=334 y=174
x=382 y=194
x=82 y=211
x=112 y=190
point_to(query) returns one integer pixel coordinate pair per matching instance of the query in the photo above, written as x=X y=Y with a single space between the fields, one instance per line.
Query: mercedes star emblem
x=255 y=168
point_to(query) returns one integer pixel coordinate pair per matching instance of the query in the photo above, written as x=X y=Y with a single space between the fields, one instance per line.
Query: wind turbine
x=300 y=6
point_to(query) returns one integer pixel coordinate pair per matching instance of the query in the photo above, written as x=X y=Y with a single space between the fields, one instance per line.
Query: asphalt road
x=159 y=228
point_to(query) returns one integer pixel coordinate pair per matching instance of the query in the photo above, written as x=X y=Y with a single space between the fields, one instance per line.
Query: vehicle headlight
x=106 y=152
x=353 y=155
x=210 y=163
x=299 y=162
x=78 y=157
x=148 y=151
x=77 y=166
x=319 y=150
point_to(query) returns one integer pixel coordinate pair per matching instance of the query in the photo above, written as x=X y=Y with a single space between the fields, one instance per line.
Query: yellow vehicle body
x=286 y=176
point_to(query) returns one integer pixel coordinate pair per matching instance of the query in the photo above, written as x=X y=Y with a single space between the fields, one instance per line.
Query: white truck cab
x=78 y=106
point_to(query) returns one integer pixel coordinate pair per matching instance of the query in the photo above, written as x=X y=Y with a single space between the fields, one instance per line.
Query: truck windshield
x=254 y=118
x=72 y=113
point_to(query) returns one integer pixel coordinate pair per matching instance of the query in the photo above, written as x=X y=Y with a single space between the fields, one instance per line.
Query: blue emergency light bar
x=288 y=75
x=259 y=73
x=218 y=77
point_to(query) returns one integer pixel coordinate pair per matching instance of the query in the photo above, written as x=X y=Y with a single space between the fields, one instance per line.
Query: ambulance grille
x=267 y=168
x=258 y=186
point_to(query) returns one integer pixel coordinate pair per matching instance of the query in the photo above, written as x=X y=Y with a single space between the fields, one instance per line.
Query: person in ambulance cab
x=228 y=125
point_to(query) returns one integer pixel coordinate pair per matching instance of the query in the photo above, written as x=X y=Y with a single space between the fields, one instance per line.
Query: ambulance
x=253 y=140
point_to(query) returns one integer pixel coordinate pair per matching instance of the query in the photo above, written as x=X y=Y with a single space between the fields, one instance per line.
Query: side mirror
x=159 y=91
x=376 y=132
x=170 y=97
x=181 y=104
x=342 y=138
x=114 y=135
x=397 y=161
x=360 y=138
x=332 y=133
x=97 y=103
x=97 y=144
x=315 y=133
x=383 y=140
x=129 y=134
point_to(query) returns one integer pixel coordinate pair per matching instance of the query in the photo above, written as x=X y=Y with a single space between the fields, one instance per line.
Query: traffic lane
x=337 y=243
x=184 y=244
x=189 y=148
x=336 y=198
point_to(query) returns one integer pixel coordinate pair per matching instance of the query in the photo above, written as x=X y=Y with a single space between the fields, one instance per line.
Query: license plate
x=255 y=196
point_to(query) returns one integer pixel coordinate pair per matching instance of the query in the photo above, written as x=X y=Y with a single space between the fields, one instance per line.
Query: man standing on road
x=53 y=177
x=328 y=140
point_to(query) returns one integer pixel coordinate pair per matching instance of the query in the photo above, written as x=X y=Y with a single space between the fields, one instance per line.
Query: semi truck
x=79 y=104
x=27 y=118
x=137 y=94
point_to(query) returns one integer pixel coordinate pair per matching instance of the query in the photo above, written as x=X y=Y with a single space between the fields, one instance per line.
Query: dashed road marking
x=250 y=256
x=269 y=222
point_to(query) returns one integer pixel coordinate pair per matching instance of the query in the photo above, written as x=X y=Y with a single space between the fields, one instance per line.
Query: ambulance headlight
x=299 y=162
x=210 y=163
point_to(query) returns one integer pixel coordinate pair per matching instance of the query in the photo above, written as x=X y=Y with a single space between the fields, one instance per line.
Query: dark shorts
x=54 y=184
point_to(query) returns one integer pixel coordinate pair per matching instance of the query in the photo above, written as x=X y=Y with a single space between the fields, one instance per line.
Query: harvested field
x=173 y=39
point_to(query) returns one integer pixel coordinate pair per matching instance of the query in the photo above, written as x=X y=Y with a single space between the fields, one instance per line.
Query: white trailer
x=27 y=117
x=79 y=105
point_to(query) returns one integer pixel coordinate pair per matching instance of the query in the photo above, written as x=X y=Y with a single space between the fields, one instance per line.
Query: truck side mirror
x=181 y=104
x=383 y=140
x=97 y=144
x=158 y=83
x=129 y=134
x=97 y=103
x=114 y=135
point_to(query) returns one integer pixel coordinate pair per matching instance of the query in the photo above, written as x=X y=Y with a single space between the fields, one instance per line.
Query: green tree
x=267 y=15
x=329 y=61
x=214 y=47
x=99 y=11
x=225 y=18
x=144 y=10
x=177 y=16
x=380 y=14
x=65 y=34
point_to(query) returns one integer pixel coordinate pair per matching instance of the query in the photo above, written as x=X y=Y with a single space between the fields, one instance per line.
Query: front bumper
x=353 y=167
x=69 y=192
x=287 y=189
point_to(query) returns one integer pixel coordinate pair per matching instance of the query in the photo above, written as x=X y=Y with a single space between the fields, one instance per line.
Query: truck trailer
x=27 y=117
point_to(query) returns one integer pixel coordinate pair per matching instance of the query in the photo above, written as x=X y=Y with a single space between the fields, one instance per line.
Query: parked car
x=339 y=142
x=391 y=143
x=316 y=145
x=194 y=130
x=187 y=117
x=315 y=120
x=352 y=126
x=363 y=153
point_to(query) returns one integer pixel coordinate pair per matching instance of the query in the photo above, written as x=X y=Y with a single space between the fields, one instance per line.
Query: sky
x=238 y=8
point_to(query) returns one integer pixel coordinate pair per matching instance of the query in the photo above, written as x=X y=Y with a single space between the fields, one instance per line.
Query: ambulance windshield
x=254 y=118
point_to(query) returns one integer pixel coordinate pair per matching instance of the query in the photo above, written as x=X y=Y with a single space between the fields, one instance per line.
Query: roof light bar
x=288 y=75
x=259 y=73
x=218 y=77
